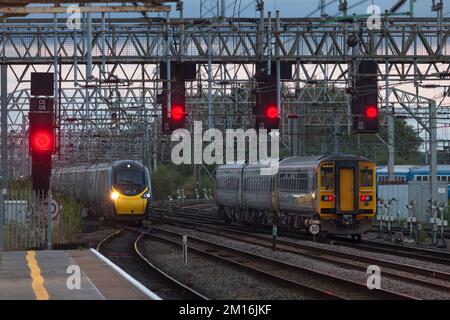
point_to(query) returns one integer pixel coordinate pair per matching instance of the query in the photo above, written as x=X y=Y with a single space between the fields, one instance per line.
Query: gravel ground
x=359 y=276
x=371 y=235
x=213 y=279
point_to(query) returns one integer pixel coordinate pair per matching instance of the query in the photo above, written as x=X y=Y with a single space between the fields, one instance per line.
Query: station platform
x=66 y=275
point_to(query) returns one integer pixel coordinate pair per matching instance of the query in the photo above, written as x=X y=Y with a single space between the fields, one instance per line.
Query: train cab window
x=366 y=178
x=327 y=178
x=129 y=182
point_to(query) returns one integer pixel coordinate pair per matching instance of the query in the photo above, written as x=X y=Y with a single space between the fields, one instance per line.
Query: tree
x=319 y=139
x=167 y=178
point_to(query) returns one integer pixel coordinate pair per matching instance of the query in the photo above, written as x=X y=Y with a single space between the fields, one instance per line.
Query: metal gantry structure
x=108 y=75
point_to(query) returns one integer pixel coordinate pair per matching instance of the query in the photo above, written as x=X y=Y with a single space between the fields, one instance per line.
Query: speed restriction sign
x=314 y=229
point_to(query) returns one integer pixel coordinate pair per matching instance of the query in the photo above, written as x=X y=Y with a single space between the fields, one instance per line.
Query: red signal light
x=42 y=141
x=365 y=198
x=327 y=198
x=272 y=112
x=371 y=112
x=177 y=113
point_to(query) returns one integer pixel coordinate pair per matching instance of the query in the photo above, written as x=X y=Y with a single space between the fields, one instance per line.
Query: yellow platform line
x=38 y=281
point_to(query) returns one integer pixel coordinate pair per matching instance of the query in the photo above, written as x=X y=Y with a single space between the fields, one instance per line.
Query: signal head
x=42 y=141
x=371 y=112
x=178 y=113
x=272 y=112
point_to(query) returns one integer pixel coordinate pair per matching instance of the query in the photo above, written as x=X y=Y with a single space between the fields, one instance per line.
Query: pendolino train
x=118 y=190
x=338 y=192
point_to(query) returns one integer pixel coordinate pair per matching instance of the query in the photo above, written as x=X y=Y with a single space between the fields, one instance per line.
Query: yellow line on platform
x=38 y=281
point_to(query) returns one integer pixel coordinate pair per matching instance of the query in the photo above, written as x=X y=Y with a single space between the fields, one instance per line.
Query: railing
x=24 y=220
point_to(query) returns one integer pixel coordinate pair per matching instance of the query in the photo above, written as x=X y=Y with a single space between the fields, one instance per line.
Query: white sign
x=274 y=231
x=54 y=208
x=314 y=229
x=441 y=190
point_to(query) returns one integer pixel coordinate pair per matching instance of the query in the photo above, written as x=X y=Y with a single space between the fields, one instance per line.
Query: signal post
x=41 y=141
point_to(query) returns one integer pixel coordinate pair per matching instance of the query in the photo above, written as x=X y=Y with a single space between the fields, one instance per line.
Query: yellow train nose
x=131 y=205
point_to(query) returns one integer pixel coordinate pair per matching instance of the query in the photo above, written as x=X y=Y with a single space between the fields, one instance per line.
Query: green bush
x=167 y=178
x=68 y=223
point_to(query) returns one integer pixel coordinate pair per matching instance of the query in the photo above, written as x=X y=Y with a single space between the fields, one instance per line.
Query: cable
x=351 y=7
x=320 y=8
x=398 y=5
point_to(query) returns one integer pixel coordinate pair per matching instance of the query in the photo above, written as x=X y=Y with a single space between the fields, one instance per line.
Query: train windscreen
x=327 y=178
x=366 y=178
x=129 y=182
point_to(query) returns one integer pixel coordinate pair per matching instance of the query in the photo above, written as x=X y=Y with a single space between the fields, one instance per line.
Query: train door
x=346 y=189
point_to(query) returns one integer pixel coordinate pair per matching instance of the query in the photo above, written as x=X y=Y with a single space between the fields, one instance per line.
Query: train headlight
x=114 y=195
x=146 y=195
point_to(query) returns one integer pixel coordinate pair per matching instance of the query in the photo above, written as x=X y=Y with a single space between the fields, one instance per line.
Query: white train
x=117 y=190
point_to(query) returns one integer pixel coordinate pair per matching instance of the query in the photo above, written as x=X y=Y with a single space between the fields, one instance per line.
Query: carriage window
x=366 y=178
x=327 y=178
x=425 y=178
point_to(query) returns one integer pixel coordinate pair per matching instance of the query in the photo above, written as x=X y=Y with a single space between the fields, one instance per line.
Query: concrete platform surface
x=65 y=275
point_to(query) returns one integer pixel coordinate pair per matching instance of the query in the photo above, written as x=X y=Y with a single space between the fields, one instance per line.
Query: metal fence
x=25 y=220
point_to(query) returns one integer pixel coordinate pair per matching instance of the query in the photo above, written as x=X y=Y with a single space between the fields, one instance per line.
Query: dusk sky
x=302 y=8
x=296 y=8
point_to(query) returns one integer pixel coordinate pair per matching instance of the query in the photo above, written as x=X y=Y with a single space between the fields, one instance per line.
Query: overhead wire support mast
x=439 y=9
x=4 y=148
x=297 y=43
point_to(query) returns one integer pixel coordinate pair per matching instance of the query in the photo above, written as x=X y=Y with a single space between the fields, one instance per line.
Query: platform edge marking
x=140 y=287
x=37 y=279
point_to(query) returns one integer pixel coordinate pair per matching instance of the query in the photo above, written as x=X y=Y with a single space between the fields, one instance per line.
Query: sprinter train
x=118 y=190
x=337 y=192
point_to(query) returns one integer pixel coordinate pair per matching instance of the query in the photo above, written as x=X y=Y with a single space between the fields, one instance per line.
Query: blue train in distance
x=415 y=173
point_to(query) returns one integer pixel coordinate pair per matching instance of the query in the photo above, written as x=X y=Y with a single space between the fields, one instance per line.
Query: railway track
x=433 y=279
x=124 y=248
x=192 y=217
x=318 y=284
x=418 y=253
